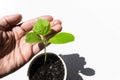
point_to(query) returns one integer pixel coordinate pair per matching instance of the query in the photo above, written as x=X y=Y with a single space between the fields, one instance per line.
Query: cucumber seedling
x=41 y=29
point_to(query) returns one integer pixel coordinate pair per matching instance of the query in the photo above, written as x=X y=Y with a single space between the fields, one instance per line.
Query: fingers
x=9 y=21
x=56 y=26
x=28 y=25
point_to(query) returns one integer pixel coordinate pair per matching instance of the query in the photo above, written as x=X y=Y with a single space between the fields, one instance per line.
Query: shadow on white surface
x=75 y=65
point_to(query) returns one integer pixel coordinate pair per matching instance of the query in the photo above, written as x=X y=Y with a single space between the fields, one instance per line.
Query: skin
x=14 y=51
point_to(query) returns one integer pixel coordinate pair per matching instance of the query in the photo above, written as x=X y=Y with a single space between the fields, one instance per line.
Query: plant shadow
x=75 y=65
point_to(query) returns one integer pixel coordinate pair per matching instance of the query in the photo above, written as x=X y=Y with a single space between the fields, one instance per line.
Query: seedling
x=39 y=32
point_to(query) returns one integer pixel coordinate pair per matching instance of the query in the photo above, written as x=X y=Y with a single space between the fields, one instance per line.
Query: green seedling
x=39 y=32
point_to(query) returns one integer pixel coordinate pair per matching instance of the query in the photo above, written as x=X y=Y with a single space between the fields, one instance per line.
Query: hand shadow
x=75 y=65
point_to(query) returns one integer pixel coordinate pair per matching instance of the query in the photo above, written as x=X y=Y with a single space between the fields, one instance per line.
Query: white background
x=95 y=24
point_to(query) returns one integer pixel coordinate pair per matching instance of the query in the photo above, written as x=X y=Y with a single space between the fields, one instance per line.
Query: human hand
x=14 y=51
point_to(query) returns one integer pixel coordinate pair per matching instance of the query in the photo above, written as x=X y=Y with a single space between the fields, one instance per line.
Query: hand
x=14 y=51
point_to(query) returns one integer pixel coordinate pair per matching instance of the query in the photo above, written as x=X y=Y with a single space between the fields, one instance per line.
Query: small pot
x=53 y=69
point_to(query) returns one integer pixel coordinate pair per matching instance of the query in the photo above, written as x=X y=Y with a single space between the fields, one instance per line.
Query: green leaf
x=42 y=27
x=32 y=37
x=61 y=38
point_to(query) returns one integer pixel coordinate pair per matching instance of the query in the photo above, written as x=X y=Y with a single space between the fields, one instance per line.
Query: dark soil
x=51 y=70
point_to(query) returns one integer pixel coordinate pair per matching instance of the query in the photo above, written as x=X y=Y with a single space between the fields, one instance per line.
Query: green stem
x=45 y=44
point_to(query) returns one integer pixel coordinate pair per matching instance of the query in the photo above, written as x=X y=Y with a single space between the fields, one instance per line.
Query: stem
x=45 y=44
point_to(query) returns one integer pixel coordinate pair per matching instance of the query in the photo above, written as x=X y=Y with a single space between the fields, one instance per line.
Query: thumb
x=9 y=20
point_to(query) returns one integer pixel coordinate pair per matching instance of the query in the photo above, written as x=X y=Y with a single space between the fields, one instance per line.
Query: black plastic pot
x=53 y=69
